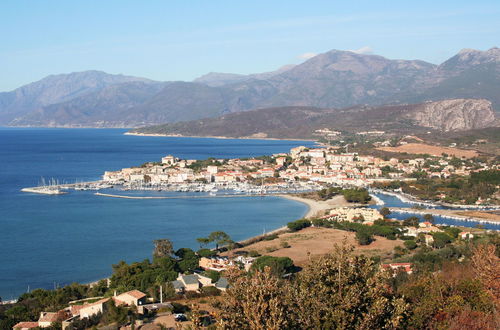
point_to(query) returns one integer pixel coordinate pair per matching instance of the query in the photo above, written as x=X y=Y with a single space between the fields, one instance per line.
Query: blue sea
x=49 y=241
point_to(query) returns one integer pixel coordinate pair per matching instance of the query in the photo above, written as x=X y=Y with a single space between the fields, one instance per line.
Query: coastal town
x=302 y=169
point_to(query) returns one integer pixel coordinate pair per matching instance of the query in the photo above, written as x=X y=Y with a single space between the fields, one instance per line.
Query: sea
x=50 y=241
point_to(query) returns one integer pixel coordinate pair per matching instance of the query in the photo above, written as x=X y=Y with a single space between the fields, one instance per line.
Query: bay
x=49 y=241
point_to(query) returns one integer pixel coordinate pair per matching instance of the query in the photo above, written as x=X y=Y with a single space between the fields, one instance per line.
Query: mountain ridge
x=335 y=79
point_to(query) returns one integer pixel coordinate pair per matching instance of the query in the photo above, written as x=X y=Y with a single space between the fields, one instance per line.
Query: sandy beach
x=318 y=207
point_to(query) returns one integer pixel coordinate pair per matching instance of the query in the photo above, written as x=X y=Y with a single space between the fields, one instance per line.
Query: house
x=399 y=266
x=47 y=318
x=363 y=215
x=215 y=263
x=191 y=282
x=245 y=261
x=466 y=235
x=222 y=284
x=428 y=239
x=131 y=298
x=25 y=325
x=91 y=309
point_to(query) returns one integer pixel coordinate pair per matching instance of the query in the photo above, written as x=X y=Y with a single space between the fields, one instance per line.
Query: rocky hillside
x=454 y=115
x=335 y=79
x=302 y=122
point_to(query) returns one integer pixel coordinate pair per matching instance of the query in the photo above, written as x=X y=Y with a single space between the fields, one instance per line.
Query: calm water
x=391 y=201
x=47 y=240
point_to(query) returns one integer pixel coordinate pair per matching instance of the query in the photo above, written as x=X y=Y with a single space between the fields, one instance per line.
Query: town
x=305 y=169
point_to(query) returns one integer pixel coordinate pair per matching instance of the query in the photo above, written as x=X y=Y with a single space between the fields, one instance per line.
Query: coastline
x=217 y=137
x=316 y=207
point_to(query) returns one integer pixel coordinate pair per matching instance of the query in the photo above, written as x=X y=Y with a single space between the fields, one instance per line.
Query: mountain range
x=332 y=80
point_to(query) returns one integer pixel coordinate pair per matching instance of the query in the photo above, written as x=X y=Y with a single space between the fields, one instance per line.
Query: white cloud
x=363 y=50
x=307 y=56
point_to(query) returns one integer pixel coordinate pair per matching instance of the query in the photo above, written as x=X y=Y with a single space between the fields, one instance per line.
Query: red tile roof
x=136 y=294
x=26 y=325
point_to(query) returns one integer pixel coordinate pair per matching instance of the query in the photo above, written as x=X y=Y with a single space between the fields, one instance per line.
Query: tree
x=277 y=265
x=207 y=253
x=410 y=244
x=411 y=222
x=440 y=239
x=262 y=301
x=298 y=224
x=385 y=211
x=364 y=237
x=203 y=241
x=429 y=218
x=219 y=237
x=163 y=248
x=345 y=291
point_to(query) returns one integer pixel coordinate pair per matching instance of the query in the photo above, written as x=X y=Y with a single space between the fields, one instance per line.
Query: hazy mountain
x=56 y=89
x=216 y=79
x=335 y=79
x=301 y=122
x=101 y=108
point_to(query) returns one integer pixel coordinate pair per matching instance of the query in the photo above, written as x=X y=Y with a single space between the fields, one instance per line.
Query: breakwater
x=439 y=213
x=405 y=198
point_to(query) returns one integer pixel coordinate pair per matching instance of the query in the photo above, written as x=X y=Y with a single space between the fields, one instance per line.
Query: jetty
x=447 y=214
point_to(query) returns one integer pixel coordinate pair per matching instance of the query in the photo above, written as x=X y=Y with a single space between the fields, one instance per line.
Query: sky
x=181 y=40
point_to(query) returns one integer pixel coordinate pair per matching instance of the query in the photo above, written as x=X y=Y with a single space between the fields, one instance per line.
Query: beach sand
x=317 y=208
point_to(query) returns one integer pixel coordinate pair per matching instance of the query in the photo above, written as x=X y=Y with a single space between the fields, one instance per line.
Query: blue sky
x=180 y=40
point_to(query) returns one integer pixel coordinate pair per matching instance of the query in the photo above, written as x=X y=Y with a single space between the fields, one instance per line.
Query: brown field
x=311 y=242
x=420 y=148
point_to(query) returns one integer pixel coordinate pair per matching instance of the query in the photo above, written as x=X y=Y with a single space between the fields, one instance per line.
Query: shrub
x=210 y=291
x=410 y=244
x=270 y=237
x=278 y=265
x=254 y=254
x=207 y=253
x=364 y=237
x=270 y=249
x=298 y=224
x=285 y=245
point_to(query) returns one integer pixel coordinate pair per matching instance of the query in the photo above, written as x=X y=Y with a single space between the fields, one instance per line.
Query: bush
x=321 y=223
x=207 y=253
x=210 y=291
x=179 y=308
x=298 y=224
x=364 y=237
x=356 y=195
x=270 y=237
x=253 y=254
x=278 y=265
x=212 y=274
x=410 y=244
x=270 y=249
x=285 y=245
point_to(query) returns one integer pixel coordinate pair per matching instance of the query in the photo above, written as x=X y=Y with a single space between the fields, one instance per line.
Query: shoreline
x=217 y=137
x=315 y=207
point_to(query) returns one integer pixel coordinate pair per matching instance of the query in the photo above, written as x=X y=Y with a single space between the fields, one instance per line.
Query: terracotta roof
x=26 y=325
x=75 y=309
x=51 y=317
x=99 y=302
x=135 y=293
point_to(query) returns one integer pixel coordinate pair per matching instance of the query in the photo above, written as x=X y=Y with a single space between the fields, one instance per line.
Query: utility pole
x=161 y=293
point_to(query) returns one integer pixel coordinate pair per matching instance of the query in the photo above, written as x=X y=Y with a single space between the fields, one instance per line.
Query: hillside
x=335 y=79
x=301 y=122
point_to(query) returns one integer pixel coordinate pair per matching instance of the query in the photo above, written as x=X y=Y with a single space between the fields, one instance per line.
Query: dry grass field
x=310 y=242
x=421 y=148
